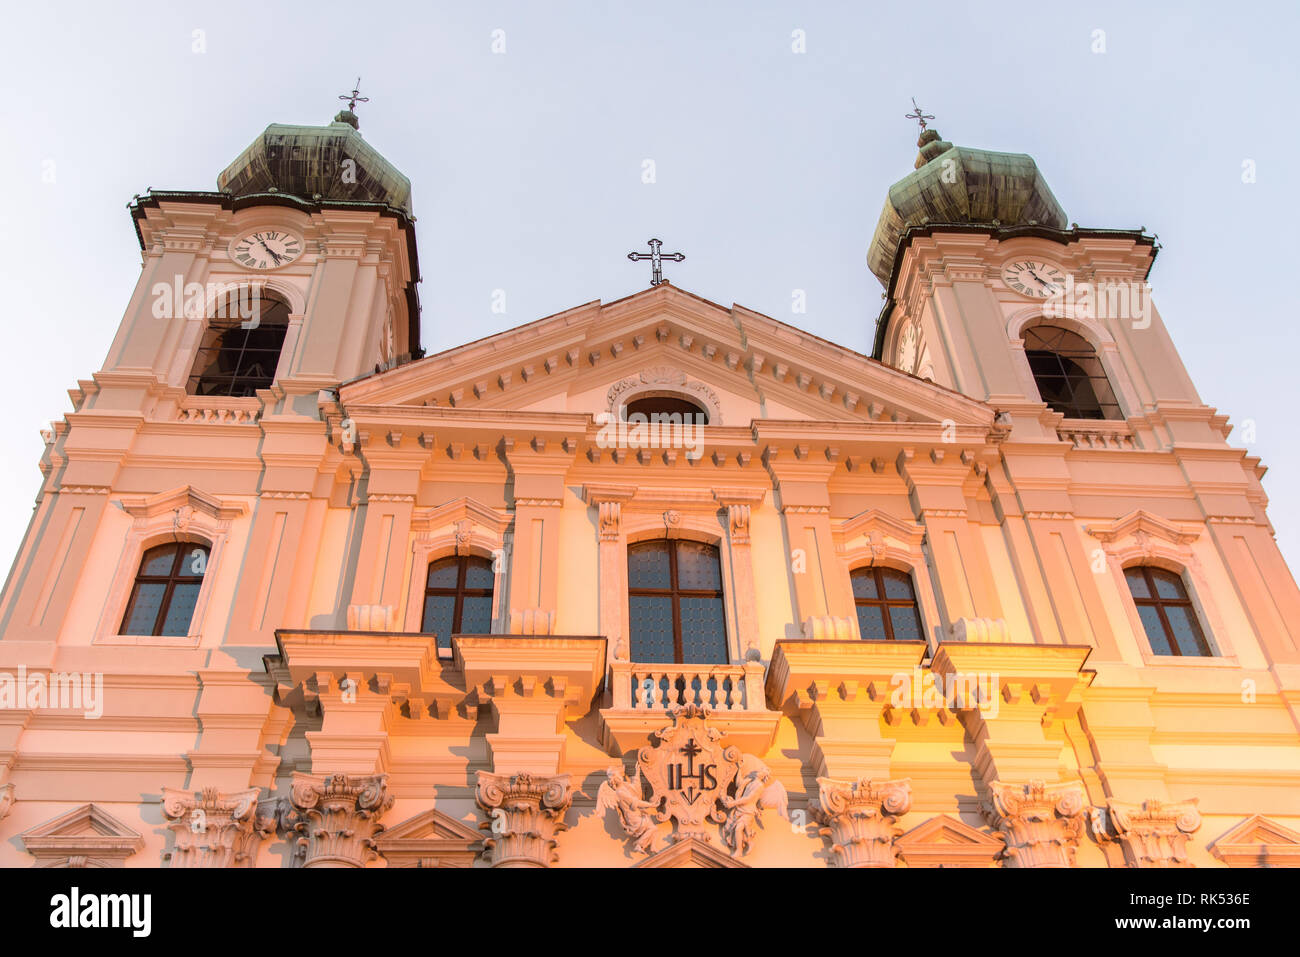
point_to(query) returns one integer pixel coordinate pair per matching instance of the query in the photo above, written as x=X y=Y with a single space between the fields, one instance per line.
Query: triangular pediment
x=736 y=364
x=1259 y=842
x=1142 y=522
x=691 y=852
x=429 y=839
x=945 y=841
x=85 y=836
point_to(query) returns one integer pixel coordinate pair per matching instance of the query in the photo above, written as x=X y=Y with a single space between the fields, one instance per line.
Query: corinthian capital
x=1040 y=823
x=337 y=817
x=527 y=811
x=215 y=828
x=1153 y=834
x=860 y=818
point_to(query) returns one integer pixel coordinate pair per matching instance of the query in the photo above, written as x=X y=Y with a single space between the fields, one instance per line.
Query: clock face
x=907 y=343
x=266 y=249
x=1035 y=278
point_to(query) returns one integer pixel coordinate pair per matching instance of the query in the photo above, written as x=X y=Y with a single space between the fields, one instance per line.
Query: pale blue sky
x=772 y=166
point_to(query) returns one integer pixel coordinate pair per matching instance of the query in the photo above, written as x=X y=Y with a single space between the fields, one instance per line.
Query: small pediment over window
x=1258 y=842
x=1140 y=523
x=691 y=852
x=87 y=836
x=430 y=839
x=944 y=841
x=179 y=500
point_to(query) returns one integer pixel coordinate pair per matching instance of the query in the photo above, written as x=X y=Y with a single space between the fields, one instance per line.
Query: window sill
x=1187 y=661
x=150 y=641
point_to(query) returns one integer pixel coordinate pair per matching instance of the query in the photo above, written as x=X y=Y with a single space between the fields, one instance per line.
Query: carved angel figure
x=624 y=795
x=756 y=789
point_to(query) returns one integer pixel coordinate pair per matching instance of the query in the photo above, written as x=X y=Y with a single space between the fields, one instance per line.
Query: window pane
x=144 y=610
x=907 y=624
x=1155 y=630
x=442 y=574
x=704 y=631
x=181 y=610
x=697 y=567
x=479 y=574
x=652 y=628
x=1187 y=631
x=871 y=622
x=158 y=561
x=897 y=584
x=438 y=610
x=1168 y=585
x=476 y=615
x=1136 y=583
x=647 y=566
x=864 y=583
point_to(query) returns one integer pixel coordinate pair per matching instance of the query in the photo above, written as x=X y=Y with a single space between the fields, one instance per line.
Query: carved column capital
x=860 y=817
x=1040 y=823
x=215 y=828
x=337 y=817
x=1153 y=833
x=527 y=811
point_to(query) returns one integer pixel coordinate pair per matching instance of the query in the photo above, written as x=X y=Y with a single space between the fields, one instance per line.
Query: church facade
x=655 y=582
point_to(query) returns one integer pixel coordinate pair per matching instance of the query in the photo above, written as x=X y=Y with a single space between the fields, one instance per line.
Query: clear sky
x=771 y=165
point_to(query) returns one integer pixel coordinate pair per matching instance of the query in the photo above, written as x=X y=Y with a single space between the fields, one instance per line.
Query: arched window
x=675 y=603
x=458 y=598
x=1166 y=612
x=1069 y=375
x=666 y=405
x=239 y=355
x=166 y=590
x=886 y=604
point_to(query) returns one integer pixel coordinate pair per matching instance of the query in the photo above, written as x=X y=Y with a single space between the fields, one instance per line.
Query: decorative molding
x=1141 y=527
x=1040 y=823
x=532 y=621
x=215 y=828
x=527 y=812
x=860 y=818
x=372 y=618
x=831 y=628
x=664 y=379
x=980 y=629
x=337 y=817
x=7 y=798
x=738 y=524
x=1152 y=834
x=87 y=836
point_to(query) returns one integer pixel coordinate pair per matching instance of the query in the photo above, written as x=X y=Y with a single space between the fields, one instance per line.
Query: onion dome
x=317 y=163
x=956 y=184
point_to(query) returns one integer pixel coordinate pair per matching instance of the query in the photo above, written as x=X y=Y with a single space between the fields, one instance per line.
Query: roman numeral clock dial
x=266 y=249
x=1035 y=278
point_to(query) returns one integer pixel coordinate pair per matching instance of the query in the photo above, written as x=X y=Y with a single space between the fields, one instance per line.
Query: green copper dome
x=954 y=184
x=317 y=162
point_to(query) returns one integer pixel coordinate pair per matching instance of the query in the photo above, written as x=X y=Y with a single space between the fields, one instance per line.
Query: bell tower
x=299 y=272
x=992 y=293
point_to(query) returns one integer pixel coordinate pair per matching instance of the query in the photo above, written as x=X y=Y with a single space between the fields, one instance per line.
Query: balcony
x=642 y=694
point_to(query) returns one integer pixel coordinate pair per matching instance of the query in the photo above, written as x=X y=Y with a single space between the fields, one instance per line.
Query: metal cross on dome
x=354 y=97
x=917 y=115
x=656 y=260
